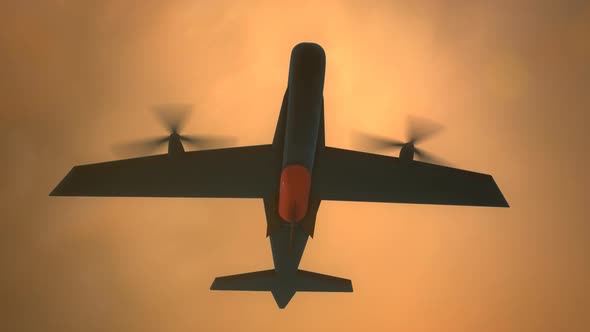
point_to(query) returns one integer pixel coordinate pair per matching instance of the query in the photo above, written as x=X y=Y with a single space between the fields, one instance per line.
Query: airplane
x=292 y=176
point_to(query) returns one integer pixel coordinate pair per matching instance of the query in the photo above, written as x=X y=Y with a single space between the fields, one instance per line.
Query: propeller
x=418 y=129
x=173 y=117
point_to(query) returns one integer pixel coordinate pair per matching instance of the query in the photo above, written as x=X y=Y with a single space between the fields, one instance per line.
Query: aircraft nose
x=307 y=49
x=308 y=63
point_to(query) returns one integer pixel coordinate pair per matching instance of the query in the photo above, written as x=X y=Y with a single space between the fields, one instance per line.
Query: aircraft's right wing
x=345 y=175
x=242 y=172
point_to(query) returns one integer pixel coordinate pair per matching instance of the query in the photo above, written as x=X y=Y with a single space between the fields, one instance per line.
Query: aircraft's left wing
x=243 y=172
x=345 y=175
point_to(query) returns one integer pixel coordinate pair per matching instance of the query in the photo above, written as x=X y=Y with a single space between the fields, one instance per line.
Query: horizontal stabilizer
x=284 y=287
x=253 y=281
x=315 y=282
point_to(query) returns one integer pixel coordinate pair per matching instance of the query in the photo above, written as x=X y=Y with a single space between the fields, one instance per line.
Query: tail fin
x=283 y=288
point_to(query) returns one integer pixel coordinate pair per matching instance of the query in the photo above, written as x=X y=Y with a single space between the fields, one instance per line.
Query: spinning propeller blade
x=206 y=142
x=173 y=118
x=141 y=147
x=418 y=129
x=374 y=142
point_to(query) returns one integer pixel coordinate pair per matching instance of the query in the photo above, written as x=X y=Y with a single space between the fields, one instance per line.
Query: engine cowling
x=294 y=192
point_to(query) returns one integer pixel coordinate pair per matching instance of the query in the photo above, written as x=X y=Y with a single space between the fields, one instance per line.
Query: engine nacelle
x=407 y=152
x=175 y=147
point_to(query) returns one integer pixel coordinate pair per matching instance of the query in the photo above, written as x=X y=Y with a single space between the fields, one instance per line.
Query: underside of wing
x=243 y=172
x=344 y=175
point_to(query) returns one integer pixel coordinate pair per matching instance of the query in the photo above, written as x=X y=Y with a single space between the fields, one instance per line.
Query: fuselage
x=305 y=102
x=303 y=106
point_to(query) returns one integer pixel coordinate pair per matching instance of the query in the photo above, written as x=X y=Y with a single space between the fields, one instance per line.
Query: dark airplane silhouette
x=292 y=176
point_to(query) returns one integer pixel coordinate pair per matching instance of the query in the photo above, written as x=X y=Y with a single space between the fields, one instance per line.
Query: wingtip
x=55 y=191
x=212 y=287
x=504 y=202
x=500 y=204
x=61 y=189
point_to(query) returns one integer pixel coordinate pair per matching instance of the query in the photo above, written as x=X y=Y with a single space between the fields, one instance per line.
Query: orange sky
x=508 y=81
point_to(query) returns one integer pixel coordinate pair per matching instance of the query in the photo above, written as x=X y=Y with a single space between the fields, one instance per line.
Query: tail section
x=253 y=281
x=282 y=287
x=314 y=282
